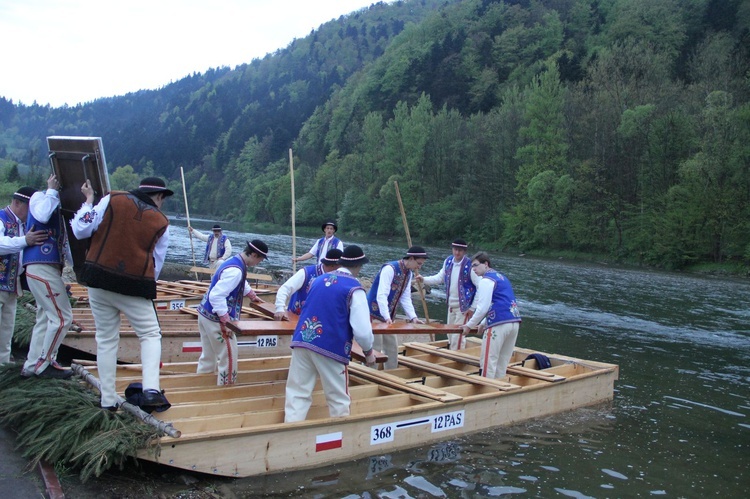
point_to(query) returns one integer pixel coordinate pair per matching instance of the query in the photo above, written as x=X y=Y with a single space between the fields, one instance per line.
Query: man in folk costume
x=460 y=288
x=496 y=306
x=335 y=313
x=391 y=287
x=222 y=303
x=13 y=240
x=129 y=239
x=322 y=245
x=295 y=289
x=218 y=247
x=43 y=266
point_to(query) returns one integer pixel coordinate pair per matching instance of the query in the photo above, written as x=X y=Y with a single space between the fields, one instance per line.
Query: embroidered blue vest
x=323 y=325
x=466 y=288
x=52 y=250
x=9 y=263
x=401 y=276
x=220 y=248
x=297 y=300
x=234 y=300
x=333 y=244
x=503 y=308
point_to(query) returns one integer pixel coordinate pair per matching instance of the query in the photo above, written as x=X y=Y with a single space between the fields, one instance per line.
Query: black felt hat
x=353 y=256
x=331 y=223
x=24 y=194
x=153 y=185
x=416 y=252
x=259 y=247
x=332 y=257
x=460 y=243
x=216 y=227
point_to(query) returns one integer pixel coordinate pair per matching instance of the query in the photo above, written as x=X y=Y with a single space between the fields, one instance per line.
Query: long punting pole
x=187 y=216
x=408 y=242
x=294 y=215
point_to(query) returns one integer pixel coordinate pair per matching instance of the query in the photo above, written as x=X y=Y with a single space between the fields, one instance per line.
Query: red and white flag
x=328 y=441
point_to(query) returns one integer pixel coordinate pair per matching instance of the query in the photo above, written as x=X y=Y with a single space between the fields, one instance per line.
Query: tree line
x=613 y=127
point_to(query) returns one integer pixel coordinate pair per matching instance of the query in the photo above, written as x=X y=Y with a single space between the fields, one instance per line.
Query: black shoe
x=110 y=408
x=55 y=373
x=153 y=400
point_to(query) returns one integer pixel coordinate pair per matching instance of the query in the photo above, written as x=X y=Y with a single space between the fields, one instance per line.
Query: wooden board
x=287 y=327
x=74 y=160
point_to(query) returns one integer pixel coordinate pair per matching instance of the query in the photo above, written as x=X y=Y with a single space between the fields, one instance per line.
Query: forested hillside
x=616 y=127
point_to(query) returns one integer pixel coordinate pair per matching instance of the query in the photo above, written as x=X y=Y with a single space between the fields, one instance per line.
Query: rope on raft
x=126 y=406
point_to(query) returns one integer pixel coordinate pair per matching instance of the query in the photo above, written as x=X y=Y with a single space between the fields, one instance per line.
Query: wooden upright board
x=75 y=160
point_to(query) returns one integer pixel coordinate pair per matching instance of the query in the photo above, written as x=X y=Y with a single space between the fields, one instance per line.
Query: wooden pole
x=294 y=214
x=408 y=242
x=187 y=217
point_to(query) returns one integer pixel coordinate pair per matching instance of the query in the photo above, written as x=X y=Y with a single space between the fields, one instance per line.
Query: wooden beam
x=391 y=381
x=449 y=372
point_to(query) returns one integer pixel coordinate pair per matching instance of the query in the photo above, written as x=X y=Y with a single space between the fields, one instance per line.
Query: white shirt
x=439 y=278
x=326 y=247
x=384 y=289
x=286 y=290
x=83 y=230
x=359 y=317
x=214 y=249
x=15 y=244
x=482 y=300
x=41 y=206
x=228 y=281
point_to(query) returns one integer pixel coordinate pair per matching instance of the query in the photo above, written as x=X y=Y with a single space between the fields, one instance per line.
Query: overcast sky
x=70 y=51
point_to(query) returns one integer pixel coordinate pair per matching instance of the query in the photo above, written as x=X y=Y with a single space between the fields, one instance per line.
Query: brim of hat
x=329 y=262
x=354 y=263
x=150 y=190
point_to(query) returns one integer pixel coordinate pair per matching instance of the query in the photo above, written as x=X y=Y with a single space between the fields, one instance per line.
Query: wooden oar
x=408 y=242
x=187 y=217
x=294 y=215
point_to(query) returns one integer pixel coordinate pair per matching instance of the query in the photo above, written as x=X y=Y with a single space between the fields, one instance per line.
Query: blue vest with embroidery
x=401 y=276
x=334 y=244
x=297 y=300
x=52 y=250
x=234 y=300
x=466 y=288
x=503 y=308
x=9 y=263
x=220 y=248
x=323 y=325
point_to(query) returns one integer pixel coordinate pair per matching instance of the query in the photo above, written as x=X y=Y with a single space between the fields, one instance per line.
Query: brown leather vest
x=121 y=255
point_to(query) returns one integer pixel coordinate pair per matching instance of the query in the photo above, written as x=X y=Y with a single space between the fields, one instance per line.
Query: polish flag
x=328 y=441
x=192 y=346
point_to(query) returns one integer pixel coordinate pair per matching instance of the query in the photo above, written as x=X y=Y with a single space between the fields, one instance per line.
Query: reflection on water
x=679 y=425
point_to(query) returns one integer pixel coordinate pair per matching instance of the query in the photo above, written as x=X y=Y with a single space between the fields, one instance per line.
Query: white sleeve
x=12 y=244
x=483 y=300
x=384 y=289
x=437 y=279
x=314 y=248
x=291 y=286
x=43 y=204
x=229 y=280
x=200 y=235
x=160 y=252
x=87 y=219
x=340 y=246
x=406 y=302
x=359 y=320
x=227 y=250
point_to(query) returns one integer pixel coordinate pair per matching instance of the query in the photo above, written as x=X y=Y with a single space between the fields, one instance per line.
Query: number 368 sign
x=380 y=434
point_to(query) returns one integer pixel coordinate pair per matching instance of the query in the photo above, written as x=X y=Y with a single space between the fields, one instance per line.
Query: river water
x=678 y=425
